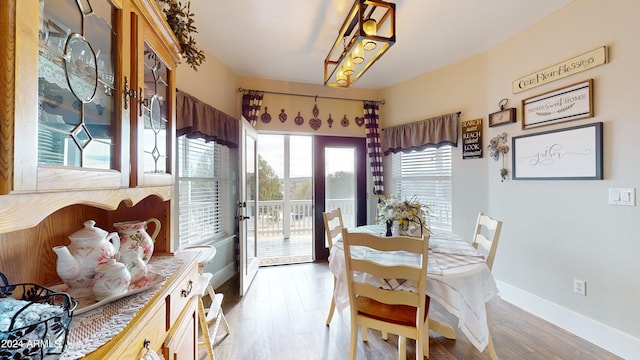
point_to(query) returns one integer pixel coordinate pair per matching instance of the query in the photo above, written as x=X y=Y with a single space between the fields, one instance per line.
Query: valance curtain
x=434 y=132
x=197 y=119
x=371 y=120
x=251 y=103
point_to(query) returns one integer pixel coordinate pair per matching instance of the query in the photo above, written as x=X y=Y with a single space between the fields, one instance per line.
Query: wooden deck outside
x=277 y=250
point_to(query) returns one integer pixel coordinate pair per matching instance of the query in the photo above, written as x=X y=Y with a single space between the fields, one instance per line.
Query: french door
x=248 y=205
x=340 y=180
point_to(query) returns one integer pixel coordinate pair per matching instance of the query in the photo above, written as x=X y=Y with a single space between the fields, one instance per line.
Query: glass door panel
x=154 y=112
x=76 y=67
x=340 y=180
x=248 y=205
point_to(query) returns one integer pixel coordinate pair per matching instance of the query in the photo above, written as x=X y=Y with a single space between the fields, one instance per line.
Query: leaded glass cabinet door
x=77 y=76
x=154 y=137
x=154 y=112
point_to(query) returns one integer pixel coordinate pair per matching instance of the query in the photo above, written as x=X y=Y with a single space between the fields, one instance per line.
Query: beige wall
x=459 y=87
x=554 y=231
x=212 y=83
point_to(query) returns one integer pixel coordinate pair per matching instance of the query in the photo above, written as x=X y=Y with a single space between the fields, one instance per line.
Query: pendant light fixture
x=366 y=34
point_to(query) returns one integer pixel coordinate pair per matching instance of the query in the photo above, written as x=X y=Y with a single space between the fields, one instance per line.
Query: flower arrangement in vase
x=411 y=215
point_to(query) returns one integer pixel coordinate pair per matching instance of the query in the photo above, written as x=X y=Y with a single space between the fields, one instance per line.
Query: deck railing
x=295 y=217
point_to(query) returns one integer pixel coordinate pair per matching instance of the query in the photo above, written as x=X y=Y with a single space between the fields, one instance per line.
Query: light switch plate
x=622 y=196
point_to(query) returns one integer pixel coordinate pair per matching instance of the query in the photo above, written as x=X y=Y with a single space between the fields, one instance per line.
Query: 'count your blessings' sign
x=568 y=67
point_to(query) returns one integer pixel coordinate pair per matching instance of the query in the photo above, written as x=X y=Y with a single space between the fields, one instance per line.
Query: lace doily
x=95 y=328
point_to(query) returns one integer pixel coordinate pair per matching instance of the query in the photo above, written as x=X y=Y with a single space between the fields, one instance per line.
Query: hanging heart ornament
x=315 y=123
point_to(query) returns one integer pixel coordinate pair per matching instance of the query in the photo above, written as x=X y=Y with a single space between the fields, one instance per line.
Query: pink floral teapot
x=134 y=237
x=90 y=247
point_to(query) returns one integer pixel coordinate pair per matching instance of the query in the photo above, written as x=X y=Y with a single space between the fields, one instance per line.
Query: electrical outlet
x=580 y=287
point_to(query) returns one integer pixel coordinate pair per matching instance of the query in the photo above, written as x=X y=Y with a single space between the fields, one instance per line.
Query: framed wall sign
x=569 y=154
x=471 y=139
x=502 y=117
x=566 y=104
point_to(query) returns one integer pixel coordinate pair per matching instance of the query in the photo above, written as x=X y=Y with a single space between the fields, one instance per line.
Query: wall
x=458 y=87
x=554 y=230
x=215 y=85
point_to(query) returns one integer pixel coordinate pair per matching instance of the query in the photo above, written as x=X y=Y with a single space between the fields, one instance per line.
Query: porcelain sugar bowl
x=90 y=247
x=112 y=279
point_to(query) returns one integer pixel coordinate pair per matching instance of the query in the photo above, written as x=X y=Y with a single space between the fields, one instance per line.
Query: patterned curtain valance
x=434 y=132
x=197 y=119
x=251 y=103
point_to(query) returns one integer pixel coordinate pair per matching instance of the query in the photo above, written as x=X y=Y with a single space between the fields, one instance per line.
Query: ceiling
x=288 y=40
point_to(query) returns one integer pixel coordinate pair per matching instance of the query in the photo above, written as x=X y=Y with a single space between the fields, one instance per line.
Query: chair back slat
x=391 y=297
x=333 y=225
x=486 y=237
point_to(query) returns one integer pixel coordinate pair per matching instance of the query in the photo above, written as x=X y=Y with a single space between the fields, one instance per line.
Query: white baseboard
x=223 y=275
x=604 y=336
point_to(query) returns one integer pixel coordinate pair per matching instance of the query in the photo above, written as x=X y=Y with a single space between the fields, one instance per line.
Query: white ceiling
x=288 y=40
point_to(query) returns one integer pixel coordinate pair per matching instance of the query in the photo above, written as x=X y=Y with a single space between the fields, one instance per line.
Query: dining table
x=457 y=278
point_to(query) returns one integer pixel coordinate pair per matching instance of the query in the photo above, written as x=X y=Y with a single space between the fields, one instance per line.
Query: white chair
x=211 y=315
x=395 y=311
x=203 y=288
x=486 y=236
x=333 y=226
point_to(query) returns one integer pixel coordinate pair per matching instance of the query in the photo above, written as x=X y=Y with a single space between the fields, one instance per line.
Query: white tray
x=87 y=302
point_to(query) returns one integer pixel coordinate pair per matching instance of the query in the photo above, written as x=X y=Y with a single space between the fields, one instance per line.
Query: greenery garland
x=180 y=19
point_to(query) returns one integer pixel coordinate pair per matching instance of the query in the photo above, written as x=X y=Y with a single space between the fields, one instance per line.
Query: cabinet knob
x=128 y=93
x=186 y=292
x=149 y=354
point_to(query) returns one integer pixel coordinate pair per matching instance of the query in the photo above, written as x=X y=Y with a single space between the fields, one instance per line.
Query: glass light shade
x=341 y=78
x=348 y=66
x=370 y=28
x=357 y=56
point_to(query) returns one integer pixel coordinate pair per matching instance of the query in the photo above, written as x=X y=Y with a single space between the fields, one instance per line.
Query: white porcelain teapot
x=90 y=247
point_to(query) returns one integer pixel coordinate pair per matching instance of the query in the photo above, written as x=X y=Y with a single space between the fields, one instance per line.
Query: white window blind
x=427 y=175
x=202 y=199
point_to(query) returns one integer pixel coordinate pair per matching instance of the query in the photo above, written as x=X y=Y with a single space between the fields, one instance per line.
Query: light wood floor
x=283 y=317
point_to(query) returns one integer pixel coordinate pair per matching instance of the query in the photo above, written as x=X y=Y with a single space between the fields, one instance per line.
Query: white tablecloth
x=458 y=279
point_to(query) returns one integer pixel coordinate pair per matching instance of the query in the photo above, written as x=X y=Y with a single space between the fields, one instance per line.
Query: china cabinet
x=87 y=131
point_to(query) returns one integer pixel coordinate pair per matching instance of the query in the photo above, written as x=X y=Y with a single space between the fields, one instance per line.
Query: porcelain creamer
x=134 y=237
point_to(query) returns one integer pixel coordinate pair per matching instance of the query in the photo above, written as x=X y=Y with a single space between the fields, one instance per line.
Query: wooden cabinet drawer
x=130 y=344
x=180 y=294
x=181 y=343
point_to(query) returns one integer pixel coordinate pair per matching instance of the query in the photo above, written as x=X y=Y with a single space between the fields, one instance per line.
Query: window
x=427 y=175
x=202 y=190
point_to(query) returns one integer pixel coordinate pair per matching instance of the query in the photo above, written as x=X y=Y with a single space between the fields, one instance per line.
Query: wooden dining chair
x=396 y=311
x=333 y=226
x=486 y=236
